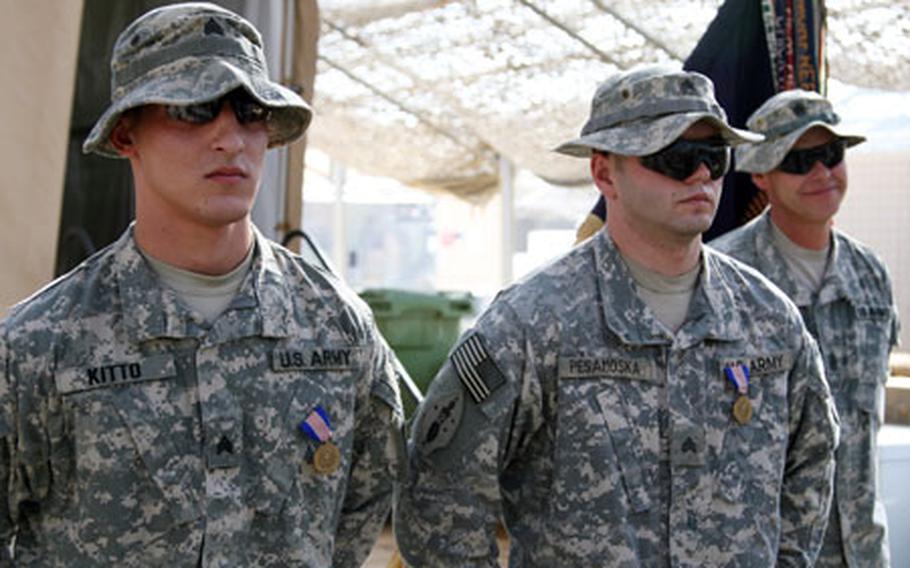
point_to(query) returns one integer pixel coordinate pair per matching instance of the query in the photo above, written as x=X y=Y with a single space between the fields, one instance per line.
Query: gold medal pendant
x=742 y=409
x=327 y=458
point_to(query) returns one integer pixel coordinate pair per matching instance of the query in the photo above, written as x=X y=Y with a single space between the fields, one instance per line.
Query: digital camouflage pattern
x=609 y=442
x=135 y=435
x=192 y=53
x=638 y=112
x=782 y=119
x=855 y=321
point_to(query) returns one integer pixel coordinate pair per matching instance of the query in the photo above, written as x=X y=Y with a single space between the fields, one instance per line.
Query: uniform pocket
x=297 y=503
x=597 y=463
x=752 y=452
x=306 y=384
x=132 y=466
x=869 y=357
x=874 y=324
x=626 y=447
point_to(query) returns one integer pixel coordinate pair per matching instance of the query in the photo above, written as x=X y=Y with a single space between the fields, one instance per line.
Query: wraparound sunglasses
x=246 y=109
x=680 y=159
x=800 y=162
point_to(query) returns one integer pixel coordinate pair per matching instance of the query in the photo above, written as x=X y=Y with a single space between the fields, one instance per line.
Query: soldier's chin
x=695 y=227
x=223 y=217
x=708 y=220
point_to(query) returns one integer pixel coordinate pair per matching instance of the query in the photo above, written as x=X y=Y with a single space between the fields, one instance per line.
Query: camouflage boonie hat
x=193 y=53
x=783 y=119
x=638 y=112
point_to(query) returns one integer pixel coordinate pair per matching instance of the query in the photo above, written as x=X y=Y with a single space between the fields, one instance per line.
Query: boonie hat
x=783 y=119
x=638 y=112
x=193 y=53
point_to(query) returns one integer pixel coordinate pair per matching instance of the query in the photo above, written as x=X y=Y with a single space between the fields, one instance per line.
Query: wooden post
x=304 y=15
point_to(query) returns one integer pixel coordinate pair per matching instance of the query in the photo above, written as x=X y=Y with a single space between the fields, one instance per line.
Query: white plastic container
x=894 y=458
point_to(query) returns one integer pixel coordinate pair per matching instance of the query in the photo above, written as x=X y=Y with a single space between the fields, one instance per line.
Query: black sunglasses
x=245 y=107
x=681 y=158
x=801 y=161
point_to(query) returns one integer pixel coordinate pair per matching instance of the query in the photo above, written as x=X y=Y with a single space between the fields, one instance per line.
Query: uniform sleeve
x=7 y=447
x=806 y=493
x=460 y=443
x=377 y=461
x=887 y=290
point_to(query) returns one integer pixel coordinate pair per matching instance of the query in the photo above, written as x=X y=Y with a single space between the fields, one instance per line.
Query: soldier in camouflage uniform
x=601 y=423
x=195 y=395
x=842 y=290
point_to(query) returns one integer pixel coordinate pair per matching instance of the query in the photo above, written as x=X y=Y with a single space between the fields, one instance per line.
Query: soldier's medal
x=739 y=375
x=318 y=427
x=327 y=458
x=742 y=409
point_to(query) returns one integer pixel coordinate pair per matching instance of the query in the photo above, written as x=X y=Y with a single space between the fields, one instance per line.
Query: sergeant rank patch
x=476 y=370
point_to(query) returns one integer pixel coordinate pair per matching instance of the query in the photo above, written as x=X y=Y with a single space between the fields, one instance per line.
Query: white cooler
x=894 y=458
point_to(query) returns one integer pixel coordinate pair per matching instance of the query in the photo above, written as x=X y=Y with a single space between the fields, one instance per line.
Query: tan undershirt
x=807 y=266
x=207 y=295
x=667 y=296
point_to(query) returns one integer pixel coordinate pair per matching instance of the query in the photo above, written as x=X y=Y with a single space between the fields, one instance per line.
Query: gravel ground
x=383 y=550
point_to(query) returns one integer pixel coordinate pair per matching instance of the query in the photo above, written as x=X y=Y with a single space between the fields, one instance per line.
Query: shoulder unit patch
x=440 y=421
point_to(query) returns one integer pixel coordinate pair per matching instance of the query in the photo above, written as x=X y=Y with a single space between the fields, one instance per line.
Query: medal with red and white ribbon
x=739 y=376
x=318 y=427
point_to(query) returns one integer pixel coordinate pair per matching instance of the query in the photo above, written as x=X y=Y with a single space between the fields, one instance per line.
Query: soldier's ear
x=761 y=181
x=121 y=136
x=602 y=169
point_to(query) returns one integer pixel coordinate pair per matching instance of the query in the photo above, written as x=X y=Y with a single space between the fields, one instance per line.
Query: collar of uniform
x=771 y=262
x=149 y=311
x=711 y=314
x=625 y=314
x=841 y=280
x=271 y=289
x=260 y=307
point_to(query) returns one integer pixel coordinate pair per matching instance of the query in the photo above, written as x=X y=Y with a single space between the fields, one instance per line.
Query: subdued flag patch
x=476 y=370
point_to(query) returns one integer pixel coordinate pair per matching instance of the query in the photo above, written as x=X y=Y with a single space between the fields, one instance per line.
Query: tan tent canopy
x=430 y=93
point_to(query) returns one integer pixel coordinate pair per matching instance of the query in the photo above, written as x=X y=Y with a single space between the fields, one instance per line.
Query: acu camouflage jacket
x=134 y=434
x=605 y=441
x=854 y=319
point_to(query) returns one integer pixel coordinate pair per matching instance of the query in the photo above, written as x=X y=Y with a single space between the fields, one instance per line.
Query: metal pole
x=507 y=193
x=339 y=228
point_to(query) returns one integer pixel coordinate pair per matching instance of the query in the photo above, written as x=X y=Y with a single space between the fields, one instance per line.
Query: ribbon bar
x=739 y=376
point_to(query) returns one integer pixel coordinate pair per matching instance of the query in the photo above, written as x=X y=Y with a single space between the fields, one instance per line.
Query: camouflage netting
x=430 y=92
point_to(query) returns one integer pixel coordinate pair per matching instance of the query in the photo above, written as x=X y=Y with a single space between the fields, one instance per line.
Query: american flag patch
x=476 y=370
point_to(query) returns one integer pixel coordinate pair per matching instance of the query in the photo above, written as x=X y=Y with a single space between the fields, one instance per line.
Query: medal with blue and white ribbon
x=739 y=376
x=318 y=427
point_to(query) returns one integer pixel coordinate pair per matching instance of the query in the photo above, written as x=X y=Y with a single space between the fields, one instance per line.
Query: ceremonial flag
x=752 y=50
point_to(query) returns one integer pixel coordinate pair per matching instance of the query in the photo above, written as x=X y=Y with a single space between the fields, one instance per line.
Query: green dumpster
x=420 y=327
